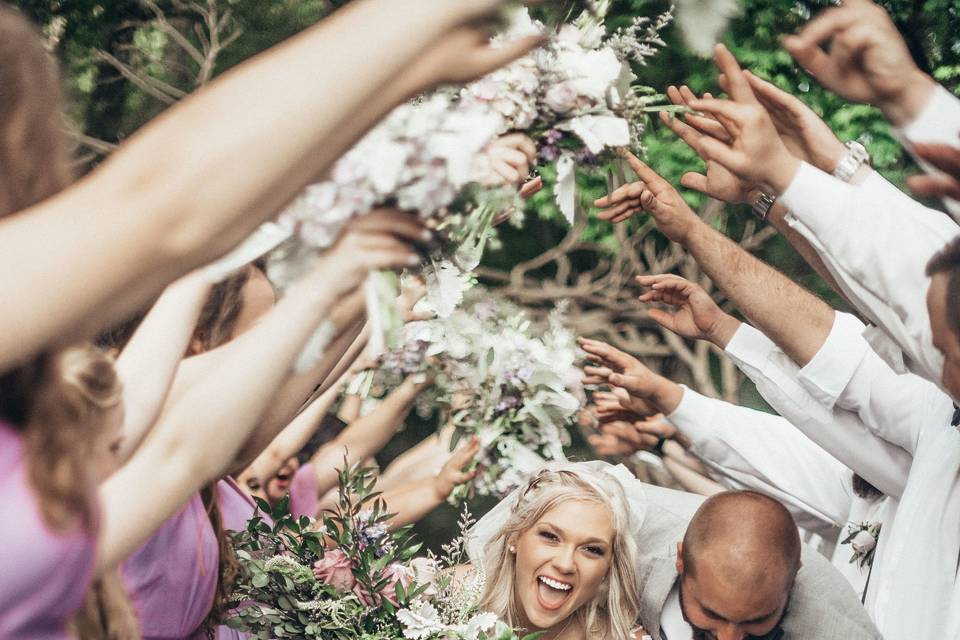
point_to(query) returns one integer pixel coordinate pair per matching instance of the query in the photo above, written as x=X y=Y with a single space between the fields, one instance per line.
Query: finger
x=826 y=25
x=634 y=385
x=664 y=319
x=512 y=156
x=684 y=131
x=697 y=182
x=942 y=156
x=813 y=60
x=739 y=89
x=626 y=215
x=707 y=126
x=602 y=373
x=399 y=223
x=619 y=210
x=722 y=154
x=630 y=191
x=531 y=188
x=935 y=186
x=645 y=173
x=687 y=94
x=507 y=171
x=732 y=111
x=522 y=143
x=491 y=58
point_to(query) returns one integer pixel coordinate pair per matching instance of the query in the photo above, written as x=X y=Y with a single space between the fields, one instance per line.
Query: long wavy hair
x=613 y=613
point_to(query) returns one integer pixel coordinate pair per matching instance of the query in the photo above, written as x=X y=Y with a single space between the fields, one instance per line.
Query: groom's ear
x=680 y=558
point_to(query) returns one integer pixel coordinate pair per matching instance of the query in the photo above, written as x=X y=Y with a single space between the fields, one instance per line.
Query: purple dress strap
x=172 y=579
x=44 y=575
x=304 y=500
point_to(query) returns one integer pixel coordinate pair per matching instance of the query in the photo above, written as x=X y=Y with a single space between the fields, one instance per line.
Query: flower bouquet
x=575 y=96
x=347 y=577
x=497 y=375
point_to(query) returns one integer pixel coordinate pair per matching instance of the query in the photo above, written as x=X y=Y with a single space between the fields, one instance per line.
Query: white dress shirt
x=764 y=452
x=938 y=123
x=917 y=557
x=672 y=624
x=749 y=449
x=876 y=243
x=838 y=431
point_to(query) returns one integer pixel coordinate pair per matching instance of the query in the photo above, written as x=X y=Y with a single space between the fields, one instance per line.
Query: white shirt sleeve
x=937 y=123
x=838 y=431
x=876 y=242
x=764 y=452
x=894 y=406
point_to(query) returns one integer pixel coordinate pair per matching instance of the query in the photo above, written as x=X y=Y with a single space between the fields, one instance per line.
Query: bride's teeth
x=559 y=586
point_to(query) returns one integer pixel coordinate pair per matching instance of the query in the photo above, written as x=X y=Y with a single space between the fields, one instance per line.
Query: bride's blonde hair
x=613 y=613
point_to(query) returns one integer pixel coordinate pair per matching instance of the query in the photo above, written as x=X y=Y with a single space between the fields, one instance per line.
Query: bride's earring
x=513 y=549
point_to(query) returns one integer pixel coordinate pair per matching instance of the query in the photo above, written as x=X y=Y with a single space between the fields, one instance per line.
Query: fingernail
x=413 y=261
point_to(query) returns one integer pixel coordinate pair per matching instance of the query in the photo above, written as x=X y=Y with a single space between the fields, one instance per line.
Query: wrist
x=667 y=396
x=904 y=107
x=723 y=330
x=783 y=170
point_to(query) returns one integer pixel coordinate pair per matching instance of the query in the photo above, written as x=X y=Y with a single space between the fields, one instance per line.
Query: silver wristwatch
x=763 y=204
x=852 y=160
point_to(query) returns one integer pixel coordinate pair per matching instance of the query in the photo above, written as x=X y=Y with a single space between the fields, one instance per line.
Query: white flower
x=600 y=132
x=863 y=542
x=422 y=621
x=446 y=285
x=562 y=97
x=592 y=72
x=425 y=572
x=481 y=622
x=702 y=22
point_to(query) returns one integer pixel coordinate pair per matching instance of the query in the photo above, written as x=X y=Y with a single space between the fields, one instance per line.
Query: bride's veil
x=489 y=525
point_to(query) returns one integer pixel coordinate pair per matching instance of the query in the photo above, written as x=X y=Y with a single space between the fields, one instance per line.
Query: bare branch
x=160 y=90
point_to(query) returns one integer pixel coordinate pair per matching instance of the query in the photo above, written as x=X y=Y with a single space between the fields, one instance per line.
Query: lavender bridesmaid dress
x=172 y=579
x=236 y=508
x=44 y=575
x=304 y=500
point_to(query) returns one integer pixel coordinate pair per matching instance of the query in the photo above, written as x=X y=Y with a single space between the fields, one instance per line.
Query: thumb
x=650 y=202
x=634 y=385
x=664 y=319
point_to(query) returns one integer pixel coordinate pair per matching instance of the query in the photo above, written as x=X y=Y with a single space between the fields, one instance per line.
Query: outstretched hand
x=697 y=316
x=717 y=182
x=506 y=160
x=454 y=471
x=755 y=152
x=652 y=194
x=856 y=52
x=646 y=393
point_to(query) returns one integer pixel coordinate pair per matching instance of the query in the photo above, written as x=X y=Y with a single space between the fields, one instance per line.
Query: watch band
x=763 y=204
x=852 y=160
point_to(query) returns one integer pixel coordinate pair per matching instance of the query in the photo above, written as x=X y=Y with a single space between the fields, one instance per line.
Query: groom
x=739 y=573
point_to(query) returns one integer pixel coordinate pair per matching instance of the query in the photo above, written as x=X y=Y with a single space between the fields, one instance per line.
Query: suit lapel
x=659 y=574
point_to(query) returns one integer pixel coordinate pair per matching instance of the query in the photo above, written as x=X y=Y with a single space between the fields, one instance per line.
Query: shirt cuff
x=816 y=198
x=827 y=375
x=937 y=122
x=693 y=415
x=750 y=345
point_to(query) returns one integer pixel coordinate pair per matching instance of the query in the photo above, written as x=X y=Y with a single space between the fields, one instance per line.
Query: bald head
x=743 y=538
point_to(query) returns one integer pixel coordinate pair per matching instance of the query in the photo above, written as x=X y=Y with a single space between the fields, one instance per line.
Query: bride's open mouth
x=552 y=593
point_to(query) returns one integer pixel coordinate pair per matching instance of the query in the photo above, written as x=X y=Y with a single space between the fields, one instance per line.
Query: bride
x=558 y=554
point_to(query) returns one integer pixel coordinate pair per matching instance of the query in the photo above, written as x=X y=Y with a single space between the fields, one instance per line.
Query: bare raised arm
x=183 y=190
x=198 y=437
x=795 y=319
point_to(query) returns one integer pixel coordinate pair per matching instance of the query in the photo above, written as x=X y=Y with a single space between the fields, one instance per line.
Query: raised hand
x=653 y=194
x=618 y=369
x=697 y=316
x=802 y=131
x=718 y=182
x=454 y=471
x=382 y=239
x=755 y=152
x=856 y=52
x=507 y=160
x=943 y=157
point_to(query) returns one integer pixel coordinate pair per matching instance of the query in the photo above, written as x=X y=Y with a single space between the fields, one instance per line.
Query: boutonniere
x=862 y=538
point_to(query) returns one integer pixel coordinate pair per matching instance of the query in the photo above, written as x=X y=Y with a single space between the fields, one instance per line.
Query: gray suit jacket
x=823 y=605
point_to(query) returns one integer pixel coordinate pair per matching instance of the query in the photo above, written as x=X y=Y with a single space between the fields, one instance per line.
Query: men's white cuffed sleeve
x=894 y=406
x=937 y=123
x=876 y=242
x=764 y=452
x=838 y=431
